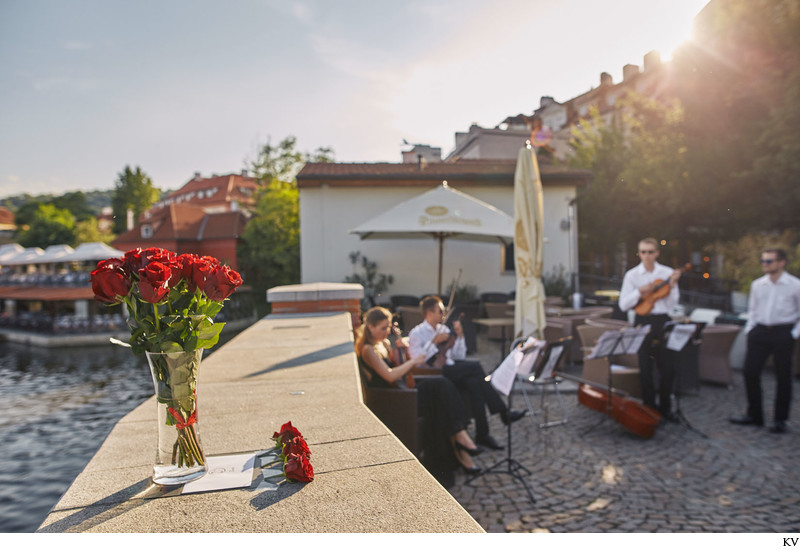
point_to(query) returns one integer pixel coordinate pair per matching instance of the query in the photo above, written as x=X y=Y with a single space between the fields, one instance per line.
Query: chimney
x=197 y=175
x=545 y=101
x=652 y=60
x=605 y=79
x=629 y=71
x=244 y=173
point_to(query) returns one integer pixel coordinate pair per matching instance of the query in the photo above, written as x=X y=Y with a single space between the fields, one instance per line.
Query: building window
x=507 y=260
x=147 y=231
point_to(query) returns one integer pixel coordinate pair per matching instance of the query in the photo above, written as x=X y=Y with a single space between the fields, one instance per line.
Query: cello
x=629 y=412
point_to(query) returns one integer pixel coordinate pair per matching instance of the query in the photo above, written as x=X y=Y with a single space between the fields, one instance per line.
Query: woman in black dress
x=446 y=443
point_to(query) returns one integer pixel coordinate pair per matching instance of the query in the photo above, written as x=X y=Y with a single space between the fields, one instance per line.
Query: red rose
x=298 y=468
x=286 y=434
x=133 y=260
x=296 y=446
x=138 y=258
x=154 y=281
x=201 y=268
x=221 y=282
x=110 y=280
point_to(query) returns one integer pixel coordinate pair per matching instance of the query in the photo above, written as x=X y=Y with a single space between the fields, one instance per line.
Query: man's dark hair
x=429 y=303
x=780 y=254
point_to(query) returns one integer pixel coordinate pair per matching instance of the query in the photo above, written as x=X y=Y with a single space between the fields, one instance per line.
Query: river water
x=57 y=406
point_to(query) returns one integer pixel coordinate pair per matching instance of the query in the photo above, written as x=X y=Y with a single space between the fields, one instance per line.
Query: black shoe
x=489 y=442
x=509 y=416
x=779 y=427
x=472 y=471
x=477 y=450
x=746 y=420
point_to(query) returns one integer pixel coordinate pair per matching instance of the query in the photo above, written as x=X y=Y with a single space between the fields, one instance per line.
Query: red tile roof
x=187 y=222
x=500 y=171
x=216 y=191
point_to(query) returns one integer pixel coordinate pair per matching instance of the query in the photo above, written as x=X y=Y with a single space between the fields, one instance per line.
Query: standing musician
x=431 y=338
x=773 y=326
x=640 y=284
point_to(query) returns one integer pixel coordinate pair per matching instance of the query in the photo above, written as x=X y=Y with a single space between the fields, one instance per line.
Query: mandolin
x=661 y=290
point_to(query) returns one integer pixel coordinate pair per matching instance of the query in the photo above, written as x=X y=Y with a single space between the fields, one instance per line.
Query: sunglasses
x=767 y=260
x=647 y=252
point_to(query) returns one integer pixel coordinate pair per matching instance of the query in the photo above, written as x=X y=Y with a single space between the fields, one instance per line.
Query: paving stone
x=738 y=479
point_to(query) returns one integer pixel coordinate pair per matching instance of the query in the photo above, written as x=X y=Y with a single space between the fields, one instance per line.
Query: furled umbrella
x=529 y=316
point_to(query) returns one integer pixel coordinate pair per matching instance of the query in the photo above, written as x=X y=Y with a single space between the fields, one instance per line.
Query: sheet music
x=627 y=341
x=503 y=377
x=680 y=335
x=531 y=351
x=552 y=360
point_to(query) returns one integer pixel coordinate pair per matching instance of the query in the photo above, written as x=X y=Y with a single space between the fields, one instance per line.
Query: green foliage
x=375 y=284
x=283 y=162
x=740 y=258
x=556 y=283
x=133 y=190
x=48 y=225
x=464 y=293
x=270 y=252
x=87 y=231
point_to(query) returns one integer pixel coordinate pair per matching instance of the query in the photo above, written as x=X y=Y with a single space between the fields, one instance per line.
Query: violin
x=440 y=359
x=661 y=290
x=399 y=356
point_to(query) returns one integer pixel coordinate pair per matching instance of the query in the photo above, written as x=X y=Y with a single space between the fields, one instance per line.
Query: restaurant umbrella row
x=48 y=290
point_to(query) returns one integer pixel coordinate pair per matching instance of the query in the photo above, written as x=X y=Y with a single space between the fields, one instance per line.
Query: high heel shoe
x=472 y=471
x=477 y=450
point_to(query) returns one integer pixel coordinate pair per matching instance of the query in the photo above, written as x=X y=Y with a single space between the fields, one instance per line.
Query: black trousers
x=763 y=340
x=469 y=375
x=654 y=355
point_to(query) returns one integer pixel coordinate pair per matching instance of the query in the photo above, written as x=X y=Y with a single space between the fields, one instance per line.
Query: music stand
x=610 y=344
x=512 y=466
x=543 y=373
x=677 y=338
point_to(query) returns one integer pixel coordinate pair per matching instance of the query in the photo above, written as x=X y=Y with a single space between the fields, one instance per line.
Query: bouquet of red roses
x=295 y=454
x=171 y=299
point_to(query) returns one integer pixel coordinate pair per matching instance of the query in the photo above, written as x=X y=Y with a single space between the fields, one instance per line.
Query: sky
x=175 y=87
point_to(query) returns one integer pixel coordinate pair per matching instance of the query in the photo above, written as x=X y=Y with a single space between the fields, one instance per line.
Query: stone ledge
x=365 y=479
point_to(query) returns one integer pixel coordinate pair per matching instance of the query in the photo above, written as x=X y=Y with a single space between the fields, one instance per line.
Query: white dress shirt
x=420 y=341
x=638 y=276
x=775 y=303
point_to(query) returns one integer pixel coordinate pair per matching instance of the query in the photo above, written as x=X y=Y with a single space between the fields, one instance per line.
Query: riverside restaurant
x=47 y=299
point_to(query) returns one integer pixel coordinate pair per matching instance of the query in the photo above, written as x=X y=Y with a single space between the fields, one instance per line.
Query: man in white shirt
x=639 y=284
x=773 y=326
x=426 y=339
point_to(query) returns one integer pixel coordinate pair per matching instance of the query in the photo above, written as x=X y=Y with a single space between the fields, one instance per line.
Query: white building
x=337 y=197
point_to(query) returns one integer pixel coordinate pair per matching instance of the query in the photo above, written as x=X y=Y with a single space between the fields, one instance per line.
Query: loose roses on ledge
x=171 y=299
x=294 y=453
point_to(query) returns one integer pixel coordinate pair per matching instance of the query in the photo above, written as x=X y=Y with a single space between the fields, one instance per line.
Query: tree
x=133 y=190
x=270 y=252
x=87 y=231
x=49 y=225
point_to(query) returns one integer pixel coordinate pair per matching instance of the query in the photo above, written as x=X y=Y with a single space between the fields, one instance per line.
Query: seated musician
x=429 y=338
x=639 y=283
x=446 y=442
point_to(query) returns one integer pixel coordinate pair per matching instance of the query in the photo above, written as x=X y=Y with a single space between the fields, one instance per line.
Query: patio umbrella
x=441 y=213
x=529 y=318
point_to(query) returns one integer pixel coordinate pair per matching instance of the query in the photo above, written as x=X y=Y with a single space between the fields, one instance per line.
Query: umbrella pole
x=441 y=255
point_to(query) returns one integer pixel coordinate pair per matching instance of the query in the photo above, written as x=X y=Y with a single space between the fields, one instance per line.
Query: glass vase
x=180 y=456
